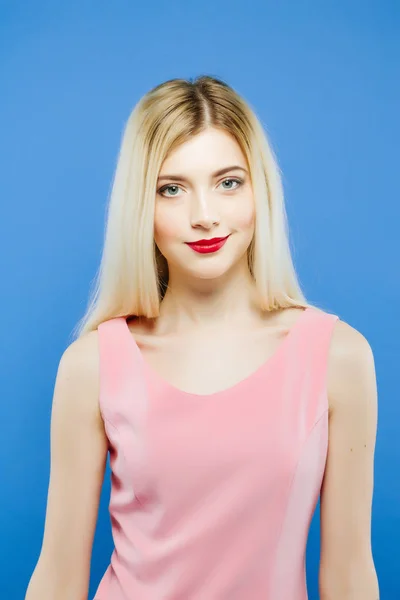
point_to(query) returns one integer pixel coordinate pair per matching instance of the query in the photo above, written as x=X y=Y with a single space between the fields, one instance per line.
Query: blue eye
x=167 y=187
x=236 y=180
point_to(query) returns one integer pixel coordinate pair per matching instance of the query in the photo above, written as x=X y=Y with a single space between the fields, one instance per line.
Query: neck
x=209 y=304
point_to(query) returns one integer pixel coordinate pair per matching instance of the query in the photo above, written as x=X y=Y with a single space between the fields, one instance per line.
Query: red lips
x=208 y=246
x=209 y=242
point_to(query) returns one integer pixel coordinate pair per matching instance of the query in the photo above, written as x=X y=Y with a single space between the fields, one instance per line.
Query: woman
x=212 y=382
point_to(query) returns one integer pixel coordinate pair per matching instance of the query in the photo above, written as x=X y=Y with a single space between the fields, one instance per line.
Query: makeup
x=207 y=246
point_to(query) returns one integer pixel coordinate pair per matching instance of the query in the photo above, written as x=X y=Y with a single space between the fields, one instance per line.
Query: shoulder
x=351 y=368
x=78 y=374
x=82 y=354
x=349 y=471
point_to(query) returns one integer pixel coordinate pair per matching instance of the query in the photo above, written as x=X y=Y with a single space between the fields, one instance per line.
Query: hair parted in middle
x=133 y=274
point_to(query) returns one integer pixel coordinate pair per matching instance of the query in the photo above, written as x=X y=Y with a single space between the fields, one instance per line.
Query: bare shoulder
x=348 y=482
x=83 y=352
x=350 y=363
x=79 y=369
x=79 y=449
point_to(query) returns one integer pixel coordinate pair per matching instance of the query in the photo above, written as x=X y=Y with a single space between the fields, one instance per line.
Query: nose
x=204 y=211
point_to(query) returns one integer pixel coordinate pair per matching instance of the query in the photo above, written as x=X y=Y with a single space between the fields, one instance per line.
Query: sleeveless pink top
x=212 y=495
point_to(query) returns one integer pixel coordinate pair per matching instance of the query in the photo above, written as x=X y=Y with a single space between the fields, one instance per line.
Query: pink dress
x=212 y=496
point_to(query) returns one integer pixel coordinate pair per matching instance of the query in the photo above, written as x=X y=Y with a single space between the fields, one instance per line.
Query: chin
x=211 y=271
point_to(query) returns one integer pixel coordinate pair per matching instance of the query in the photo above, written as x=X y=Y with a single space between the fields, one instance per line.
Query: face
x=194 y=202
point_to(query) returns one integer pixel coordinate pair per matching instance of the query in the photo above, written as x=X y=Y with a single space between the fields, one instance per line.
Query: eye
x=232 y=179
x=168 y=187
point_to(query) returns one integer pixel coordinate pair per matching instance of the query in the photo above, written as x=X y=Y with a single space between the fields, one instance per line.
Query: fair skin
x=210 y=296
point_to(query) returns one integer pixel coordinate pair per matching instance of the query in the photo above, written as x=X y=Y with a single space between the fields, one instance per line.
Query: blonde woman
x=227 y=402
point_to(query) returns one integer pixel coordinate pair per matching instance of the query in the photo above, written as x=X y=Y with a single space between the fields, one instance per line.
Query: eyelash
x=236 y=179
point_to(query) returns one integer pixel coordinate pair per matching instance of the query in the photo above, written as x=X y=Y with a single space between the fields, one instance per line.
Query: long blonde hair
x=133 y=275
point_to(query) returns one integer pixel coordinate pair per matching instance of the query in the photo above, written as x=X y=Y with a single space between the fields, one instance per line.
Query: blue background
x=323 y=78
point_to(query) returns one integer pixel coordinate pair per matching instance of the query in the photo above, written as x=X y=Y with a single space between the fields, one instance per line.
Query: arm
x=347 y=569
x=78 y=458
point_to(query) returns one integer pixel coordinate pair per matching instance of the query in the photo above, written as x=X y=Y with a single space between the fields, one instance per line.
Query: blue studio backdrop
x=322 y=77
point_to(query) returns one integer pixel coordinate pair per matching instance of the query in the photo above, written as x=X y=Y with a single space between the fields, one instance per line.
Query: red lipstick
x=206 y=246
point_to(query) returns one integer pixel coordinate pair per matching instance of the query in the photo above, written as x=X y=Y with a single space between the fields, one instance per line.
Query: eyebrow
x=216 y=174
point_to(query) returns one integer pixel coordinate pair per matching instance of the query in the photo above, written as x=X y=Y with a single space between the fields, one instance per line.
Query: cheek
x=166 y=225
x=243 y=217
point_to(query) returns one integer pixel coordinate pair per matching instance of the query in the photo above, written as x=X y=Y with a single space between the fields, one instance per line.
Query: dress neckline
x=267 y=364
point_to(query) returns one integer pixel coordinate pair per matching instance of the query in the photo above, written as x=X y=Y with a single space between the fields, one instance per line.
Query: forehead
x=205 y=153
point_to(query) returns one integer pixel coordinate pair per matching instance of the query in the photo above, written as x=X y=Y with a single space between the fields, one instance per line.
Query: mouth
x=205 y=246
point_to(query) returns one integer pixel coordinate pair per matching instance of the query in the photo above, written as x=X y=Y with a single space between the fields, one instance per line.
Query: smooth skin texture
x=346 y=565
x=78 y=459
x=207 y=295
x=209 y=290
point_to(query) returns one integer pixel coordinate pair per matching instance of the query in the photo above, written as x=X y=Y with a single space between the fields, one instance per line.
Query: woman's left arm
x=347 y=570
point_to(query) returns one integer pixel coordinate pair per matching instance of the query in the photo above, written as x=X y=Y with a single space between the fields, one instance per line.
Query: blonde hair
x=133 y=275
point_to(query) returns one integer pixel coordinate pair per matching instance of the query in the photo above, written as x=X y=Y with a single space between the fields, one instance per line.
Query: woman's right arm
x=78 y=448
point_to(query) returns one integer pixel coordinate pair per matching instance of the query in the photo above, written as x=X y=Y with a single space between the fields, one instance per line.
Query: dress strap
x=306 y=364
x=121 y=381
